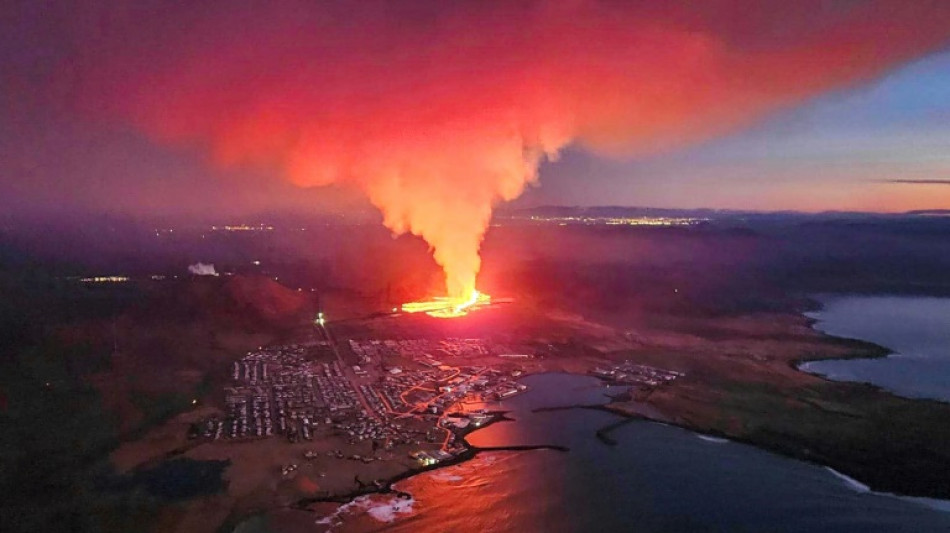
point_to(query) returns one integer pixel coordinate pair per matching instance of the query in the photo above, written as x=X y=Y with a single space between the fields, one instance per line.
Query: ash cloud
x=437 y=111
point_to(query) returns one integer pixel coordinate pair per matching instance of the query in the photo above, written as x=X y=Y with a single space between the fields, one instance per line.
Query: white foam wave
x=849 y=481
x=710 y=438
x=336 y=517
x=933 y=503
x=380 y=508
x=387 y=511
x=446 y=477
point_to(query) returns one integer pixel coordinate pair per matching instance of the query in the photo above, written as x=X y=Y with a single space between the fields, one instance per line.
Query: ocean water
x=917 y=329
x=657 y=478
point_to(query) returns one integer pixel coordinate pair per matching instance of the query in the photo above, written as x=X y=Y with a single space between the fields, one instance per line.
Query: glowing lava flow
x=445 y=307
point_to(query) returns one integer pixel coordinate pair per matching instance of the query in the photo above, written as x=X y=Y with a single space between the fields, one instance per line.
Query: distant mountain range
x=713 y=214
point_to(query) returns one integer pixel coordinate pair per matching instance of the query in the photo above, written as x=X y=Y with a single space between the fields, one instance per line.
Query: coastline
x=879 y=351
x=603 y=434
x=615 y=406
x=833 y=400
x=386 y=485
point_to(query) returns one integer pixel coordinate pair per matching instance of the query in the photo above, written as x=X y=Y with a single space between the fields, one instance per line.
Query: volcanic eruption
x=438 y=111
x=448 y=307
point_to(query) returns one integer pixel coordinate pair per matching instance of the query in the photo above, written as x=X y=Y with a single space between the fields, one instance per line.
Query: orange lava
x=447 y=307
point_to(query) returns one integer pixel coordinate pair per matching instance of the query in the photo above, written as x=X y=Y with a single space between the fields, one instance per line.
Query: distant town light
x=105 y=279
x=243 y=227
x=619 y=221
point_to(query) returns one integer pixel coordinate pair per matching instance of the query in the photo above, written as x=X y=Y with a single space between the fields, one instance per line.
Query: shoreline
x=796 y=454
x=879 y=352
x=797 y=449
x=602 y=434
x=792 y=448
x=386 y=486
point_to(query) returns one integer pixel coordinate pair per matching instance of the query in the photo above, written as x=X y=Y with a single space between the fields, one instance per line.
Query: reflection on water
x=658 y=478
x=916 y=328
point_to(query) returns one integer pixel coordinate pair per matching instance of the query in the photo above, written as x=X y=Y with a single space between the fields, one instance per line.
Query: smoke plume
x=202 y=269
x=439 y=110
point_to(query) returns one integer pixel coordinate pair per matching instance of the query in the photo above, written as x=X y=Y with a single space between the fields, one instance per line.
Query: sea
x=915 y=329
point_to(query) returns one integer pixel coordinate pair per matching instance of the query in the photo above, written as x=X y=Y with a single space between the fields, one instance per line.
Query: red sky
x=434 y=111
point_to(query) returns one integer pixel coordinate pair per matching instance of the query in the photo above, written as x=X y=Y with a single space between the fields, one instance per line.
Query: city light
x=243 y=227
x=105 y=279
x=618 y=220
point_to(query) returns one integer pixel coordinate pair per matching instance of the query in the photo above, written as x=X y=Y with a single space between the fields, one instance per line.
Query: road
x=445 y=413
x=421 y=405
x=347 y=371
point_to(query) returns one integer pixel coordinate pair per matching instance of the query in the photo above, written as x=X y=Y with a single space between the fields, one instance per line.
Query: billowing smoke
x=202 y=269
x=439 y=110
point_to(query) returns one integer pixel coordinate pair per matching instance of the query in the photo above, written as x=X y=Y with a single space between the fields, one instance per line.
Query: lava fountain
x=448 y=307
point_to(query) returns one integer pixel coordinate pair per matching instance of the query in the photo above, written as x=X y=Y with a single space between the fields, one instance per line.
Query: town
x=640 y=376
x=304 y=391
